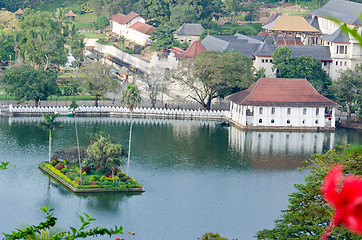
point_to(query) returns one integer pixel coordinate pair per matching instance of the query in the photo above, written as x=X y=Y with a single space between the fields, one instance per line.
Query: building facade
x=282 y=103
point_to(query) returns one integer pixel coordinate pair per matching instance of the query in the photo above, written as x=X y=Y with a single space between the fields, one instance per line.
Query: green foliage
x=110 y=7
x=163 y=38
x=24 y=81
x=218 y=74
x=4 y=165
x=213 y=236
x=53 y=162
x=41 y=41
x=104 y=153
x=73 y=105
x=6 y=47
x=96 y=78
x=182 y=13
x=82 y=232
x=307 y=214
x=252 y=10
x=347 y=90
x=301 y=67
x=131 y=96
x=101 y=22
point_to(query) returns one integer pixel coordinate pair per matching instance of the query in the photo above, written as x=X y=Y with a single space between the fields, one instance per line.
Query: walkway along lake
x=199 y=177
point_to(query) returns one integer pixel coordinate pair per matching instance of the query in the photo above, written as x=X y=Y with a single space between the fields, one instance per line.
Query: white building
x=132 y=26
x=282 y=103
x=345 y=50
x=119 y=22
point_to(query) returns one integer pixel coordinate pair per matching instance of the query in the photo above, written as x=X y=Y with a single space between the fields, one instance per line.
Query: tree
x=308 y=215
x=110 y=7
x=32 y=84
x=50 y=124
x=101 y=22
x=9 y=22
x=214 y=74
x=182 y=13
x=40 y=41
x=207 y=9
x=96 y=78
x=155 y=84
x=348 y=90
x=105 y=153
x=163 y=38
x=252 y=10
x=131 y=97
x=59 y=16
x=6 y=47
x=232 y=7
x=301 y=67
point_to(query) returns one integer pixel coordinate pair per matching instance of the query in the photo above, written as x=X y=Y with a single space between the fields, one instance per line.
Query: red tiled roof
x=123 y=19
x=195 y=49
x=142 y=27
x=176 y=50
x=19 y=11
x=71 y=14
x=281 y=92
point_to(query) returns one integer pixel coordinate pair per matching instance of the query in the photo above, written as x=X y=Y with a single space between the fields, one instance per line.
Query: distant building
x=346 y=53
x=261 y=51
x=189 y=32
x=132 y=26
x=195 y=49
x=282 y=103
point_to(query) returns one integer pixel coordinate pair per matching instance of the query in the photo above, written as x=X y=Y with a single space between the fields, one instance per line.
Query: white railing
x=121 y=110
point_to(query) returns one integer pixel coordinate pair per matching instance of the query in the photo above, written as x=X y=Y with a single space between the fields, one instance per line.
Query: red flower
x=132 y=233
x=119 y=239
x=345 y=195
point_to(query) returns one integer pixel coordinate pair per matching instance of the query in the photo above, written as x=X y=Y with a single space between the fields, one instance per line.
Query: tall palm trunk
x=76 y=134
x=129 y=142
x=50 y=145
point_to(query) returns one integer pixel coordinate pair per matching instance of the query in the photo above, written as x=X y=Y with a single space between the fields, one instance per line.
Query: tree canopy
x=214 y=74
x=301 y=67
x=347 y=90
x=308 y=214
x=41 y=42
x=96 y=78
x=32 y=84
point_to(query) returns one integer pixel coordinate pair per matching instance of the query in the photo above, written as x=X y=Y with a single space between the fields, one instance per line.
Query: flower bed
x=91 y=181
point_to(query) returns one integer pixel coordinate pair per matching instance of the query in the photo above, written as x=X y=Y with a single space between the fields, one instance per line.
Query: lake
x=199 y=177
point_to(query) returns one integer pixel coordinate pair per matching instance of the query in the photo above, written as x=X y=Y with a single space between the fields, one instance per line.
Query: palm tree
x=59 y=16
x=73 y=106
x=132 y=98
x=50 y=124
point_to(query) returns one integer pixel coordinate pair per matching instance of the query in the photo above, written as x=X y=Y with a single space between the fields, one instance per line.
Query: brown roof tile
x=290 y=24
x=281 y=92
x=195 y=49
x=142 y=27
x=123 y=19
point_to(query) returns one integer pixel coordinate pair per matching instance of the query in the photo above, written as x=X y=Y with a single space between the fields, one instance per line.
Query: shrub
x=59 y=166
x=121 y=174
x=53 y=162
x=64 y=170
x=108 y=175
x=125 y=178
x=86 y=169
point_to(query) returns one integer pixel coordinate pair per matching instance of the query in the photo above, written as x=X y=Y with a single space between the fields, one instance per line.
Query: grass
x=83 y=25
x=92 y=35
x=247 y=29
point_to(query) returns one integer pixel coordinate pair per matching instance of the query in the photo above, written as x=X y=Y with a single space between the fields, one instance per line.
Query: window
x=266 y=60
x=288 y=121
x=316 y=121
x=345 y=63
x=271 y=60
x=341 y=49
x=336 y=63
x=324 y=63
x=317 y=111
x=262 y=60
x=273 y=111
x=340 y=63
x=260 y=120
x=304 y=111
x=289 y=110
x=261 y=110
x=303 y=122
x=272 y=121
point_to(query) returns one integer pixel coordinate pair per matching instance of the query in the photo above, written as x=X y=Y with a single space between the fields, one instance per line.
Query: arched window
x=260 y=120
x=273 y=110
x=289 y=110
x=316 y=121
x=261 y=110
x=272 y=121
x=304 y=111
x=288 y=121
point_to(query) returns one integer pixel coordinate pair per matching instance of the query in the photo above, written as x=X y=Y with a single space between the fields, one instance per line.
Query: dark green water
x=198 y=177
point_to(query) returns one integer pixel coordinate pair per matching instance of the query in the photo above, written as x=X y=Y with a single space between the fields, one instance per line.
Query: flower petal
x=329 y=187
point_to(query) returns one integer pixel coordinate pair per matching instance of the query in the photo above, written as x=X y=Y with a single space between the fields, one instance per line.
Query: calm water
x=198 y=177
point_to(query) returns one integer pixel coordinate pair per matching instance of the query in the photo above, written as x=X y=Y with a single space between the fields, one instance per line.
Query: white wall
x=298 y=117
x=138 y=37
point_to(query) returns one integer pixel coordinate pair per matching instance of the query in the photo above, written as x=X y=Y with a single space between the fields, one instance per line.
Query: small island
x=95 y=169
